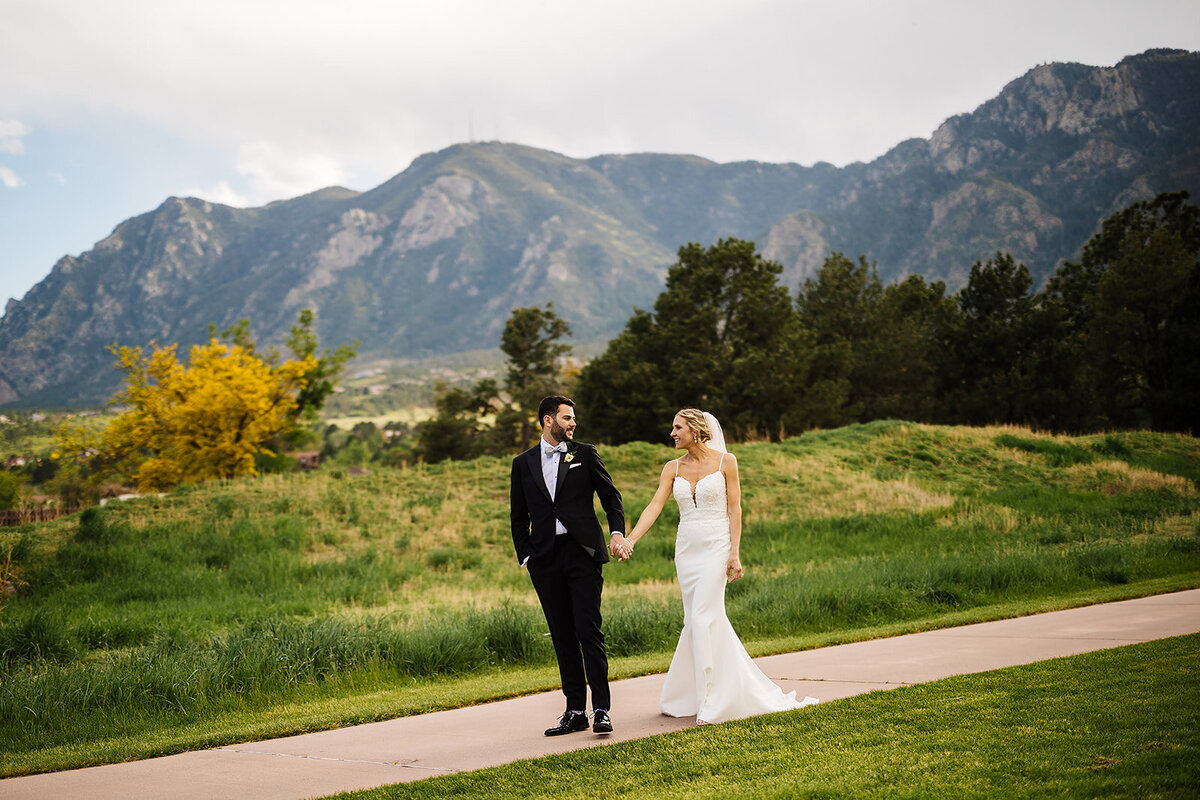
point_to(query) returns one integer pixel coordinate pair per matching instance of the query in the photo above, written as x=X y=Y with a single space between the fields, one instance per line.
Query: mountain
x=1031 y=172
x=433 y=260
x=430 y=262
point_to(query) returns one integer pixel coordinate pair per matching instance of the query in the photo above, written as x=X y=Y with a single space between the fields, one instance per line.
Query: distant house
x=15 y=461
x=307 y=459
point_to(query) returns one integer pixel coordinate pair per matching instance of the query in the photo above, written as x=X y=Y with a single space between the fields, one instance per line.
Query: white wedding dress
x=711 y=676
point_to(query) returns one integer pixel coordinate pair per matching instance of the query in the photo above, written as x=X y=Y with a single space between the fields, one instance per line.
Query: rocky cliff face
x=1031 y=172
x=433 y=260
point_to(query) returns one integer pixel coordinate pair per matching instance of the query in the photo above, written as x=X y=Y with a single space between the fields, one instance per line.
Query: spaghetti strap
x=719 y=463
x=677 y=468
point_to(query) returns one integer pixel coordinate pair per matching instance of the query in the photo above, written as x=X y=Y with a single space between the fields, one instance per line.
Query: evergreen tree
x=874 y=346
x=912 y=319
x=840 y=307
x=721 y=338
x=531 y=342
x=461 y=428
x=991 y=344
x=623 y=392
x=1129 y=313
x=455 y=431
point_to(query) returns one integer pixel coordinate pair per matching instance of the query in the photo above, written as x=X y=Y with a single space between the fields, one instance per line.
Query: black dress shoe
x=571 y=722
x=601 y=723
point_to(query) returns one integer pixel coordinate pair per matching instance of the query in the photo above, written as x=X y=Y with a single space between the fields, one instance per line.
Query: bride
x=711 y=675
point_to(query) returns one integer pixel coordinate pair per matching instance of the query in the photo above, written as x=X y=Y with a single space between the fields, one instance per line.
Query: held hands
x=620 y=547
x=733 y=569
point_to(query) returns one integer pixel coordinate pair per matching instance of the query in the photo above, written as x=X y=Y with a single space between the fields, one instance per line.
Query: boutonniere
x=570 y=455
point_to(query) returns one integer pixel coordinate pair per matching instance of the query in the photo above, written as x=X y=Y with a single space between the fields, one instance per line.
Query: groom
x=559 y=539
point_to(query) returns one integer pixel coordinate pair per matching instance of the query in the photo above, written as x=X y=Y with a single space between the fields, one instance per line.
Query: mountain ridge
x=433 y=259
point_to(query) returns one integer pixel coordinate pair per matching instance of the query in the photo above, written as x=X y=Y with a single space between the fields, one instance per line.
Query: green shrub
x=91 y=525
x=445 y=559
x=1112 y=445
x=40 y=636
x=514 y=634
x=10 y=489
x=269 y=463
x=449 y=648
x=1056 y=454
x=630 y=629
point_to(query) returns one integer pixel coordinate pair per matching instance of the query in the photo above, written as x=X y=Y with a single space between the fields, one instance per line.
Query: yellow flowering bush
x=185 y=424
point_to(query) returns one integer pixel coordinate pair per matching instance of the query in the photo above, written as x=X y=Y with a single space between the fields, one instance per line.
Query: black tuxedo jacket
x=581 y=474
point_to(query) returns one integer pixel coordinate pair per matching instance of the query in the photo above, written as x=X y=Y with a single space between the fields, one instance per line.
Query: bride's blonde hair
x=694 y=419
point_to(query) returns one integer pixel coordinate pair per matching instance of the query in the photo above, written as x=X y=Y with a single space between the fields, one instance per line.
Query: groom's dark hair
x=549 y=406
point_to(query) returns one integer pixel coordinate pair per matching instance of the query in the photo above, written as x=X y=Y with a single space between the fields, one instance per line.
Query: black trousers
x=568 y=584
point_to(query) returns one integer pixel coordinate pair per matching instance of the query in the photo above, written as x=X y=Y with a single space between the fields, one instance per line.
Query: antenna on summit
x=471 y=127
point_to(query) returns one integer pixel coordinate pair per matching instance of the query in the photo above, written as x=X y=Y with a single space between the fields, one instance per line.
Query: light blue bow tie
x=561 y=448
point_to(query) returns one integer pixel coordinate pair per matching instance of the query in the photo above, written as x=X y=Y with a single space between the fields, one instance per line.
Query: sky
x=108 y=108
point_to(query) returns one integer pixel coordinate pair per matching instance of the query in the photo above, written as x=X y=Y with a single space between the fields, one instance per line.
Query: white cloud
x=58 y=178
x=11 y=133
x=221 y=192
x=277 y=172
x=369 y=84
x=9 y=178
x=270 y=171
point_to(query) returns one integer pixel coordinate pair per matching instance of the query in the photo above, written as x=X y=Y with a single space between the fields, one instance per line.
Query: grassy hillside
x=287 y=603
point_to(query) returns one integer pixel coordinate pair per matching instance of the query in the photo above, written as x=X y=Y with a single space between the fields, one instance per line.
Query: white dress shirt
x=551 y=456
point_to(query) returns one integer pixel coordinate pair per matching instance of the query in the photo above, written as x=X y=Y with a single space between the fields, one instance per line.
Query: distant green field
x=410 y=415
x=275 y=605
x=33 y=434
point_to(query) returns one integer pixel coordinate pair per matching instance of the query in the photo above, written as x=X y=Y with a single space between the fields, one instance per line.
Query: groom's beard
x=560 y=433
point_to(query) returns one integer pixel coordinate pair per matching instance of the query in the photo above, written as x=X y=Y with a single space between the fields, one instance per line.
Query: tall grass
x=43 y=700
x=245 y=594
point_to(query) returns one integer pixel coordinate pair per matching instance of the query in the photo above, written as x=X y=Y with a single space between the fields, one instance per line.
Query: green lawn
x=276 y=605
x=1115 y=723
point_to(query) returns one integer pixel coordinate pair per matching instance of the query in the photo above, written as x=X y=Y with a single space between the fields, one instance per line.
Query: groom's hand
x=620 y=547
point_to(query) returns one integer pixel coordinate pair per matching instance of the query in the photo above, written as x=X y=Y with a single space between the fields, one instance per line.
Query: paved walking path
x=412 y=748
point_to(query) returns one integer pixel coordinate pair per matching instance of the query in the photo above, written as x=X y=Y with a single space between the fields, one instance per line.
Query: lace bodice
x=703 y=502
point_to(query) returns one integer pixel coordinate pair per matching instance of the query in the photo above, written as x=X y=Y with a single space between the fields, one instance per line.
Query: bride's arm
x=650 y=512
x=733 y=493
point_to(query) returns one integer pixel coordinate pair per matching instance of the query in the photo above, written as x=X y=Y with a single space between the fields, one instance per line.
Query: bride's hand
x=620 y=547
x=733 y=569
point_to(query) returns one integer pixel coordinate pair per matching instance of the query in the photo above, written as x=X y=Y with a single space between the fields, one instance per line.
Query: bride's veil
x=717 y=442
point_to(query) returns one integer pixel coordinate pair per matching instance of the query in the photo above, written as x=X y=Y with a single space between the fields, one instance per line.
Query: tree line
x=1111 y=341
